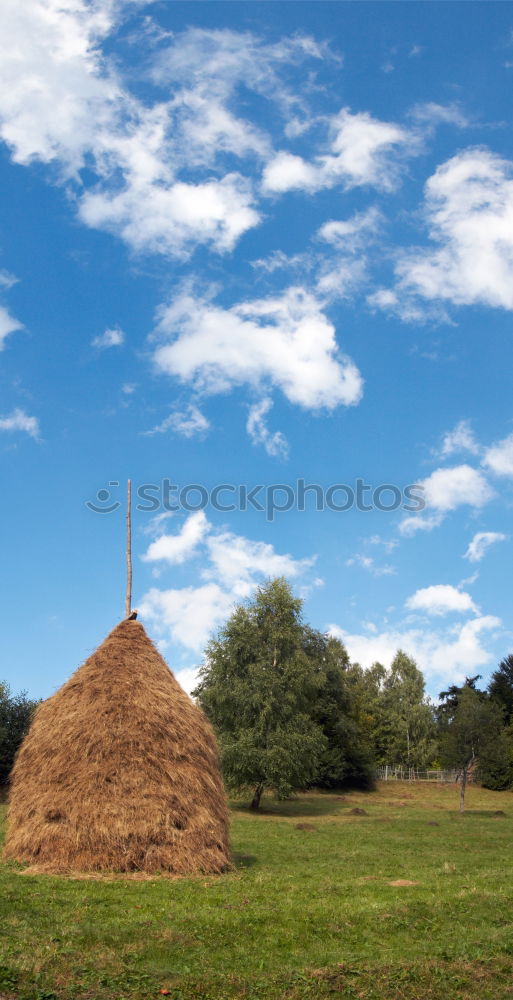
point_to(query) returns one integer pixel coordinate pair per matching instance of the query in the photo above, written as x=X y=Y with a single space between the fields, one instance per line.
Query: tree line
x=16 y=712
x=291 y=711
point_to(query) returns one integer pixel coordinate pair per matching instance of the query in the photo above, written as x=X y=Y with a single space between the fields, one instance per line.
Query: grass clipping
x=119 y=772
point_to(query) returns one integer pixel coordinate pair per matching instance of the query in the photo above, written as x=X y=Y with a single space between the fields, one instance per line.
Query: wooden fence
x=393 y=772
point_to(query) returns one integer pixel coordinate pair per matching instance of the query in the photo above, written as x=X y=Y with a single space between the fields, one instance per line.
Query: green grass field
x=307 y=912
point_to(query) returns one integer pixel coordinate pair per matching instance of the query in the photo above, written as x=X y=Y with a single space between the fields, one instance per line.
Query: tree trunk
x=257 y=796
x=462 y=789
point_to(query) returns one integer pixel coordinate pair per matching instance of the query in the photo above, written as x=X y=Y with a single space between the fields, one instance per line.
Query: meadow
x=408 y=901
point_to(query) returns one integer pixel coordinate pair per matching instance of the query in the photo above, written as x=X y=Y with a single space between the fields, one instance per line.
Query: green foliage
x=348 y=758
x=496 y=761
x=257 y=687
x=407 y=722
x=394 y=713
x=500 y=688
x=449 y=700
x=473 y=732
x=16 y=713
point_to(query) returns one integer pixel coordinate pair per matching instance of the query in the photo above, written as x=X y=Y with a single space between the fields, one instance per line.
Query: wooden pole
x=128 y=601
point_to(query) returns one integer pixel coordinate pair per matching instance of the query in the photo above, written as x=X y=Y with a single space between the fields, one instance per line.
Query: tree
x=257 y=687
x=407 y=723
x=347 y=758
x=500 y=688
x=16 y=713
x=395 y=713
x=496 y=761
x=449 y=700
x=471 y=734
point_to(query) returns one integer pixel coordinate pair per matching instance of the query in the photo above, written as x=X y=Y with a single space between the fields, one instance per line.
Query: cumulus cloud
x=499 y=458
x=445 y=490
x=461 y=438
x=361 y=151
x=440 y=599
x=274 y=442
x=187 y=423
x=233 y=568
x=236 y=561
x=285 y=342
x=63 y=101
x=18 y=420
x=445 y=656
x=180 y=547
x=112 y=337
x=188 y=614
x=469 y=214
x=166 y=219
x=55 y=92
x=480 y=544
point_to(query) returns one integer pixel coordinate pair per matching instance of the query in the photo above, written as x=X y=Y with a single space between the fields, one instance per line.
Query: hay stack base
x=119 y=772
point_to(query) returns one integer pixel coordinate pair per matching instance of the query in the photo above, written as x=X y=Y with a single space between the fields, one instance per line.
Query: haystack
x=119 y=772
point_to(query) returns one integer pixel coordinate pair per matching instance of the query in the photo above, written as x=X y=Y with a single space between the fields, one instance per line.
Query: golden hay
x=119 y=772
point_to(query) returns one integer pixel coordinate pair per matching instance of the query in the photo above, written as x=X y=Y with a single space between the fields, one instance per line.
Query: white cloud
x=362 y=151
x=461 y=438
x=444 y=656
x=7 y=280
x=236 y=560
x=349 y=235
x=499 y=458
x=178 y=548
x=166 y=219
x=409 y=526
x=187 y=423
x=18 y=420
x=339 y=275
x=111 y=337
x=429 y=114
x=480 y=544
x=274 y=443
x=287 y=171
x=469 y=214
x=54 y=90
x=187 y=678
x=286 y=342
x=234 y=566
x=154 y=525
x=368 y=563
x=8 y=324
x=216 y=62
x=447 y=489
x=63 y=101
x=440 y=599
x=188 y=614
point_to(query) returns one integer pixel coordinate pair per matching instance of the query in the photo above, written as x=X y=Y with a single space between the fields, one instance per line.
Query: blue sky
x=256 y=243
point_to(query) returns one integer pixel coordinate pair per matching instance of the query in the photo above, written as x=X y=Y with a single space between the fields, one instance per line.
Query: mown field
x=310 y=911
